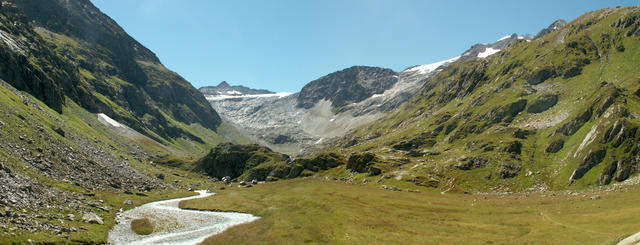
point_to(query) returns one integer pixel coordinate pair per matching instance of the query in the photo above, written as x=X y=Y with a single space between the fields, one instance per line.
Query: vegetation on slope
x=557 y=112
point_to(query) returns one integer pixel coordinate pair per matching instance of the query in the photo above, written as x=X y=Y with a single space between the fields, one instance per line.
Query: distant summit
x=483 y=50
x=225 y=89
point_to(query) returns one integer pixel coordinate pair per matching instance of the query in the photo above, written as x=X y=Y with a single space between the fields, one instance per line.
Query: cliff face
x=57 y=49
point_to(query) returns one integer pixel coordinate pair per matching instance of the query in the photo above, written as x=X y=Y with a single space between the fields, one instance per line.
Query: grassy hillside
x=536 y=115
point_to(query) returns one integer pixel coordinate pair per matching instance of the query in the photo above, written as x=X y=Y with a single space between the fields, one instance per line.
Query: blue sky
x=281 y=45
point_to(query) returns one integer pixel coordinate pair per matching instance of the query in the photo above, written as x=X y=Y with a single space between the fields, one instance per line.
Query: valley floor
x=321 y=211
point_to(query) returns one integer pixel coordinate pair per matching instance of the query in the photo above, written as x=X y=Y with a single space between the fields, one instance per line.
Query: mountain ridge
x=237 y=90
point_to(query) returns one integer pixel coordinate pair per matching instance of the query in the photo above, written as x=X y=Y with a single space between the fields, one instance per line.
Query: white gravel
x=631 y=240
x=174 y=225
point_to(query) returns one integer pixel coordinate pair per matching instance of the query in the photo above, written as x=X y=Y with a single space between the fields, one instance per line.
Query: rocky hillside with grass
x=90 y=122
x=560 y=111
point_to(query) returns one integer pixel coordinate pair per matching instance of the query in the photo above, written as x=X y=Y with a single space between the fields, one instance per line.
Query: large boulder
x=92 y=218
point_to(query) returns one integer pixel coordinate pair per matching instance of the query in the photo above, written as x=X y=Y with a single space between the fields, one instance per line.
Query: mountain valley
x=535 y=136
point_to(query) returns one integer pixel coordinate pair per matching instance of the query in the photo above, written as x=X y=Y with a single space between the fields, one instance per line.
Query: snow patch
x=488 y=51
x=234 y=92
x=424 y=69
x=109 y=121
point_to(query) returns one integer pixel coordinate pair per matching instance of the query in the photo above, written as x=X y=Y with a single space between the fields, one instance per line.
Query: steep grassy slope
x=59 y=49
x=556 y=112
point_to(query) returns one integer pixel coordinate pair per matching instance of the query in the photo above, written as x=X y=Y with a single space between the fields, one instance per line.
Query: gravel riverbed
x=174 y=225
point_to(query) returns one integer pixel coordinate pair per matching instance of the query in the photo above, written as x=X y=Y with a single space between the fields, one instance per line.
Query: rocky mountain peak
x=224 y=89
x=483 y=50
x=350 y=85
x=554 y=26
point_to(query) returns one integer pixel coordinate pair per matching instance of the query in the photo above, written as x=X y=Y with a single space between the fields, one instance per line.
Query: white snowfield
x=503 y=38
x=178 y=226
x=106 y=119
x=424 y=69
x=488 y=51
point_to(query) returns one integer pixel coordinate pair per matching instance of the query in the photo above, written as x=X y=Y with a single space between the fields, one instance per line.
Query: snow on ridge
x=235 y=92
x=488 y=51
x=108 y=120
x=503 y=38
x=423 y=69
x=226 y=97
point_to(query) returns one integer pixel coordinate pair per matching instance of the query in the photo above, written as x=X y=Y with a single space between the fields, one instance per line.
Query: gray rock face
x=350 y=85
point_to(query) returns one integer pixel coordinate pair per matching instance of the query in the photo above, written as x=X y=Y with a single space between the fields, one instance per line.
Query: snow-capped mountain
x=334 y=104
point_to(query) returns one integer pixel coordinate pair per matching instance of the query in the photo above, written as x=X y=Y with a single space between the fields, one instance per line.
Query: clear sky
x=281 y=45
